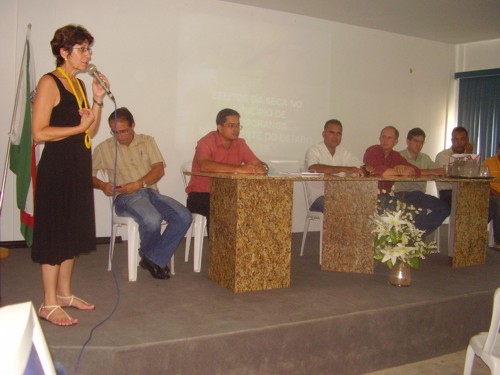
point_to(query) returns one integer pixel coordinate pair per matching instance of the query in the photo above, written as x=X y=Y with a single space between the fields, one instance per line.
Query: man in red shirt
x=386 y=162
x=220 y=151
x=389 y=163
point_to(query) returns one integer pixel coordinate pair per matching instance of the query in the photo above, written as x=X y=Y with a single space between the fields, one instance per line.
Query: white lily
x=393 y=219
x=395 y=236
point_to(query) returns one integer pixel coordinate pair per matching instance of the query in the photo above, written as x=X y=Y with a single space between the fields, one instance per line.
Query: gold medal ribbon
x=88 y=141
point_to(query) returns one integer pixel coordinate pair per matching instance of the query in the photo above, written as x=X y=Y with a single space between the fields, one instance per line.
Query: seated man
x=493 y=163
x=220 y=150
x=328 y=157
x=435 y=211
x=139 y=167
x=386 y=162
x=459 y=145
x=390 y=163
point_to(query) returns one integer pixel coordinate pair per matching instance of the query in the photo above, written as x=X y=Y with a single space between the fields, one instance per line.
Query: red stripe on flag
x=27 y=219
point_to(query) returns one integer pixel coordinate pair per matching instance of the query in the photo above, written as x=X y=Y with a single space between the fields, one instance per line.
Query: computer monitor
x=284 y=166
x=23 y=348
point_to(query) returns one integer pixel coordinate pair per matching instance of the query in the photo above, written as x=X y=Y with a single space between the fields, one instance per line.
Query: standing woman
x=65 y=120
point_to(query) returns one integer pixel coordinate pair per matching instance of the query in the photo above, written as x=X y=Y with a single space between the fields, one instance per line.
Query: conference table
x=250 y=239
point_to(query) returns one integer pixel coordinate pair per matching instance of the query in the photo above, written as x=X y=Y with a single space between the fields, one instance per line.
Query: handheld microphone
x=92 y=70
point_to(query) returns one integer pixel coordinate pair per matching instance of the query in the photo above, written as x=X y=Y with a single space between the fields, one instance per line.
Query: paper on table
x=317 y=174
x=302 y=173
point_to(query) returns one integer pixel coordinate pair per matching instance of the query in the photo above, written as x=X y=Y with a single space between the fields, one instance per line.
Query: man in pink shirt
x=220 y=151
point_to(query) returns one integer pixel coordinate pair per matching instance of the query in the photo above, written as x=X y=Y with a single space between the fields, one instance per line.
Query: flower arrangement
x=396 y=239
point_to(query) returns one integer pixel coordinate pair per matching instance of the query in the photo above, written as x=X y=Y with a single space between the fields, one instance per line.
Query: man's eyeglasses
x=233 y=126
x=118 y=132
x=83 y=49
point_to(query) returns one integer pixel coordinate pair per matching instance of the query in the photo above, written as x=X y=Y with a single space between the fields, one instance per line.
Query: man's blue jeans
x=149 y=208
x=318 y=205
x=434 y=210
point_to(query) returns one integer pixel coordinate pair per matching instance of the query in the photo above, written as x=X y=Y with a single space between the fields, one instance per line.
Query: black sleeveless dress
x=64 y=224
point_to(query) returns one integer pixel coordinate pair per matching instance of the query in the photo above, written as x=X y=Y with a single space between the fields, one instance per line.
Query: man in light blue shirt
x=434 y=210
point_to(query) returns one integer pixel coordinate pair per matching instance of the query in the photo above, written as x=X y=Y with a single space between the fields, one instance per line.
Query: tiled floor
x=450 y=364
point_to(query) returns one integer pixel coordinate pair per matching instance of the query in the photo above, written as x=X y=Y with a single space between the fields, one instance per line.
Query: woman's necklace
x=88 y=141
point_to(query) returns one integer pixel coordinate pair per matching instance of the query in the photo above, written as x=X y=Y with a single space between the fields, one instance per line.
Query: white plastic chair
x=132 y=246
x=311 y=215
x=197 y=229
x=438 y=236
x=486 y=345
x=133 y=239
x=491 y=234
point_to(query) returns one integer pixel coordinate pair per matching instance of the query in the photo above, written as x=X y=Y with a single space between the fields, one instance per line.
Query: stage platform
x=325 y=323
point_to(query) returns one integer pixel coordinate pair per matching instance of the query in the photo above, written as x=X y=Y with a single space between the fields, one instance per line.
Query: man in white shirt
x=459 y=145
x=329 y=157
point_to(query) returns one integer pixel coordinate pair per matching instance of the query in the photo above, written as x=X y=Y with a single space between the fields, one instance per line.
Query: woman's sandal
x=72 y=299
x=68 y=321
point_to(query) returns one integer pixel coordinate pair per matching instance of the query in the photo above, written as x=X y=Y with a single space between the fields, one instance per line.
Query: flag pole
x=7 y=156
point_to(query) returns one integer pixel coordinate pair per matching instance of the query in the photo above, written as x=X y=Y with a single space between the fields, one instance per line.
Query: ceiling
x=448 y=21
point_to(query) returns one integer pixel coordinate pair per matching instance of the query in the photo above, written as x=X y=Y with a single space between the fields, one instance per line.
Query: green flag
x=22 y=149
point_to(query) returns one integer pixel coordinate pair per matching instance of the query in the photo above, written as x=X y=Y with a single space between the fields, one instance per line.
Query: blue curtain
x=479 y=109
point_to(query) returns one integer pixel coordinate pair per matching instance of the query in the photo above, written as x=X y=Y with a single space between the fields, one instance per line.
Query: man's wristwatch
x=144 y=183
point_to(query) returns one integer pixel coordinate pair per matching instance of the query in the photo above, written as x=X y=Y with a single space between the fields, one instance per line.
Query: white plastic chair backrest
x=186 y=167
x=304 y=188
x=305 y=194
x=495 y=324
x=104 y=176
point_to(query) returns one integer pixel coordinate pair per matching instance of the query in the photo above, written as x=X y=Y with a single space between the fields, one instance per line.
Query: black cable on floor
x=111 y=245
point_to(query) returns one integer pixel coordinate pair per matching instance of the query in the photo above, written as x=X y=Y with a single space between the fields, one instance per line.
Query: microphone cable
x=111 y=250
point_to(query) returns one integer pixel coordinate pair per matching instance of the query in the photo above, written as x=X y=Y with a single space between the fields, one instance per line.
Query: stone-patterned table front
x=250 y=233
x=468 y=223
x=349 y=203
x=251 y=226
x=347 y=237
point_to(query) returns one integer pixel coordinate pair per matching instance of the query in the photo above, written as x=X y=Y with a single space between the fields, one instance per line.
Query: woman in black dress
x=65 y=120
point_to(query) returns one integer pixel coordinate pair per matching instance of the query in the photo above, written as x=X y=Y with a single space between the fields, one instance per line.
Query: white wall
x=478 y=56
x=9 y=218
x=470 y=57
x=175 y=64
